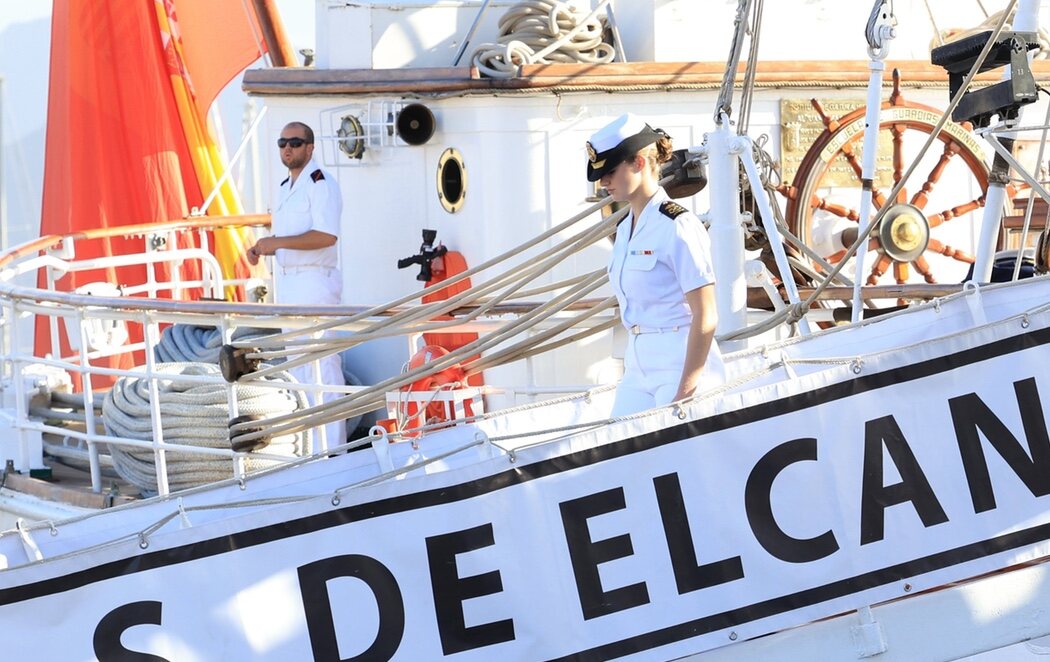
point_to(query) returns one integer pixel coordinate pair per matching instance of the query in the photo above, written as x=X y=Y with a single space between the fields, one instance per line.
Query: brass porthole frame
x=451 y=202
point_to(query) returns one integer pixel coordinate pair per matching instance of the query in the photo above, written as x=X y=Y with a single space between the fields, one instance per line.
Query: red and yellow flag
x=127 y=136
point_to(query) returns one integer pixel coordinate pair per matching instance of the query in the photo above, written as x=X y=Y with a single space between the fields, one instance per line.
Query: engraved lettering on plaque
x=801 y=125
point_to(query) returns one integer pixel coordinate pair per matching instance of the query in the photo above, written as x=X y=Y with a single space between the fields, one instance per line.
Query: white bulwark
x=860 y=482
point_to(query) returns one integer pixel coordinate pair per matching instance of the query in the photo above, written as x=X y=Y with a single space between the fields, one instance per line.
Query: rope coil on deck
x=180 y=343
x=543 y=32
x=192 y=414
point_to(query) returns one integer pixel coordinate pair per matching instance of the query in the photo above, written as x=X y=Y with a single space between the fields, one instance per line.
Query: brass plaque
x=801 y=125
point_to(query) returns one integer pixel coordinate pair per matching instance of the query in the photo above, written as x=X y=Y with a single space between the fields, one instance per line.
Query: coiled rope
x=543 y=32
x=189 y=343
x=193 y=414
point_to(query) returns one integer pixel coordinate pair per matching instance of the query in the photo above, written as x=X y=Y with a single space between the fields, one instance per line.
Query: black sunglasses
x=296 y=143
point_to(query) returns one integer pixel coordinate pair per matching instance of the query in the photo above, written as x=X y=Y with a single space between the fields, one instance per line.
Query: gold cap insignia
x=591 y=153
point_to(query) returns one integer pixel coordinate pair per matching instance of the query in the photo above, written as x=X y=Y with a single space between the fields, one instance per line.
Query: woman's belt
x=637 y=329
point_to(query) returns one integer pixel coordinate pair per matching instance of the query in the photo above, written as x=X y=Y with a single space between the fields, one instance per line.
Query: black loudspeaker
x=415 y=124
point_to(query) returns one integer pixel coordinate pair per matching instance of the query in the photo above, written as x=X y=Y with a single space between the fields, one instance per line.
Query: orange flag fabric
x=117 y=150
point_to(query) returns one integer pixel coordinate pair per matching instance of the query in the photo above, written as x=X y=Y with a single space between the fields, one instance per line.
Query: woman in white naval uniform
x=304 y=231
x=660 y=271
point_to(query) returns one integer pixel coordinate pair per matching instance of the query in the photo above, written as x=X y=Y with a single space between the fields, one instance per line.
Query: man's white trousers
x=316 y=286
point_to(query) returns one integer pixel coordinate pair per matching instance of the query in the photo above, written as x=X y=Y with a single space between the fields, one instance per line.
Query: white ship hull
x=859 y=466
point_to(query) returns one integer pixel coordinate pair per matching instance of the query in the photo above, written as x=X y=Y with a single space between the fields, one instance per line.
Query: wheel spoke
x=901 y=272
x=955 y=212
x=939 y=247
x=830 y=123
x=880 y=268
x=898 y=152
x=841 y=211
x=923 y=267
x=873 y=245
x=850 y=155
x=923 y=196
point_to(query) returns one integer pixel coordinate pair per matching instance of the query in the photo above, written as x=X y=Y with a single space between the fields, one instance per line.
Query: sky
x=24 y=55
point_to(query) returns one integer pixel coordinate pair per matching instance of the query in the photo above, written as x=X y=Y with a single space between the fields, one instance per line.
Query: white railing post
x=231 y=396
x=727 y=235
x=21 y=408
x=869 y=156
x=743 y=147
x=89 y=404
x=1026 y=19
x=151 y=337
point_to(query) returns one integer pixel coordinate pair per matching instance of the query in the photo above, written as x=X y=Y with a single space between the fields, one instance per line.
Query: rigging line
x=748 y=92
x=351 y=405
x=862 y=237
x=725 y=96
x=608 y=223
x=514 y=281
x=338 y=408
x=384 y=307
x=1031 y=200
x=933 y=22
x=359 y=402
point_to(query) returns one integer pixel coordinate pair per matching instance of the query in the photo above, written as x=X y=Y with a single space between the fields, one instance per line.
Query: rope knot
x=796 y=311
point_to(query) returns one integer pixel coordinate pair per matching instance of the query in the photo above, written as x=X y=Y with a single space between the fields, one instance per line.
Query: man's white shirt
x=313 y=202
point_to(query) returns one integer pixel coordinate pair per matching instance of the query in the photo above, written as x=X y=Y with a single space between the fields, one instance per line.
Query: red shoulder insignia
x=672 y=209
x=317 y=175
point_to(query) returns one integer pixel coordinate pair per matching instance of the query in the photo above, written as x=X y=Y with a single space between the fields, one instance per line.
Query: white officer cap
x=616 y=142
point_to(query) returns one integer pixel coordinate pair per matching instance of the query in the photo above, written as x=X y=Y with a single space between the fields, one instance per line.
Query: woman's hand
x=701 y=334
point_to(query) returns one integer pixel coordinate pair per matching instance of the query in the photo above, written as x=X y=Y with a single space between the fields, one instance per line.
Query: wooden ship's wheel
x=910 y=237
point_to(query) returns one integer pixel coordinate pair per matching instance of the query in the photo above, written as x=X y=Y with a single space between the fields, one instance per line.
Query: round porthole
x=352 y=137
x=451 y=180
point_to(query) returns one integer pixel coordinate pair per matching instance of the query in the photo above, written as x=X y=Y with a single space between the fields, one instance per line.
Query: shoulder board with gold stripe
x=317 y=175
x=672 y=209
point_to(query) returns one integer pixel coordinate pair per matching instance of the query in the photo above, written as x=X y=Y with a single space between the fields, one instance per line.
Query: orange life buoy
x=450 y=264
x=415 y=416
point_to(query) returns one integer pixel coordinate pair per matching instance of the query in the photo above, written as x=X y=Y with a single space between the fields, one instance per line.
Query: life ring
x=410 y=412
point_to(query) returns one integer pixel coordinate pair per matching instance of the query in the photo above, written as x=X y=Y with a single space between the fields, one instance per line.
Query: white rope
x=182 y=343
x=544 y=32
x=192 y=414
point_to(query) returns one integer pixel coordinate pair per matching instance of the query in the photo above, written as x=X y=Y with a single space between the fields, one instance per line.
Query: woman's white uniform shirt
x=667 y=255
x=311 y=277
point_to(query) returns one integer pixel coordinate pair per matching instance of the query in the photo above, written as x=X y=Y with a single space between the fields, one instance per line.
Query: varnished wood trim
x=584 y=77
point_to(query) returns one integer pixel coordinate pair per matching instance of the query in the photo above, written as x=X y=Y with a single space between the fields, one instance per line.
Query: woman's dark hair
x=663 y=149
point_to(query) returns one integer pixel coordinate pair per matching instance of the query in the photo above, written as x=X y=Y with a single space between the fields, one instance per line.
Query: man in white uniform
x=305 y=228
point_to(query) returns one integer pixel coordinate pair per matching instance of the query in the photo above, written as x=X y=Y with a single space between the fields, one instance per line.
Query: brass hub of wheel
x=904 y=233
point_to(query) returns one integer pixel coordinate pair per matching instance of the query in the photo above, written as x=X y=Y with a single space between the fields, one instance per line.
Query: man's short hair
x=307 y=131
